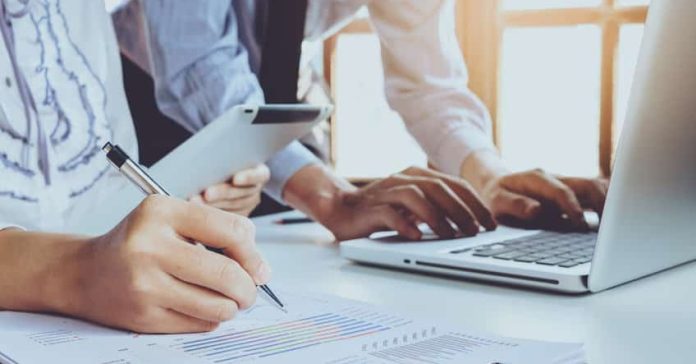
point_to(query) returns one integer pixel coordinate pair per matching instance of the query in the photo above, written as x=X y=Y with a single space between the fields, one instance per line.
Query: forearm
x=481 y=167
x=38 y=271
x=316 y=191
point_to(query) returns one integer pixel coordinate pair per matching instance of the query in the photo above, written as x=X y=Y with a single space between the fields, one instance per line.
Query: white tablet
x=245 y=136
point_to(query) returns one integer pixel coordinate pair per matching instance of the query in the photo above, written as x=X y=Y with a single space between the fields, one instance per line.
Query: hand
x=146 y=276
x=398 y=203
x=239 y=195
x=539 y=200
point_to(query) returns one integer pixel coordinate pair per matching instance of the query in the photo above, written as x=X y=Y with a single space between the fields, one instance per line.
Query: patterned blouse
x=61 y=99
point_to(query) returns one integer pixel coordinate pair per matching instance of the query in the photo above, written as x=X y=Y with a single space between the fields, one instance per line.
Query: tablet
x=243 y=137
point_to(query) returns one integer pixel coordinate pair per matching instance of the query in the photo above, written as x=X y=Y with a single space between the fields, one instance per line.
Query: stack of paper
x=315 y=329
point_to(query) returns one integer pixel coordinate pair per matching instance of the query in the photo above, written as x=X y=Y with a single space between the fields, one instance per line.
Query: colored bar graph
x=284 y=337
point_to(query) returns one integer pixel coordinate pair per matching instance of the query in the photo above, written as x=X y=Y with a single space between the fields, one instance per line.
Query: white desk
x=652 y=320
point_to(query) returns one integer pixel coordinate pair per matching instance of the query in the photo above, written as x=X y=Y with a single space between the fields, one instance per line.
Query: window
x=368 y=139
x=556 y=76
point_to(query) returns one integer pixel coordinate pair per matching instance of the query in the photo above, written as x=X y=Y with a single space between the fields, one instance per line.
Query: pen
x=131 y=170
x=294 y=220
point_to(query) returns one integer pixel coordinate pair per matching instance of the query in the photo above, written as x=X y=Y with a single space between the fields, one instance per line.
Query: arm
x=33 y=270
x=144 y=275
x=398 y=203
x=426 y=82
x=201 y=75
x=199 y=66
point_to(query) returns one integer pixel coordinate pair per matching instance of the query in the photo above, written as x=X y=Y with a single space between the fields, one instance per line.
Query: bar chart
x=448 y=348
x=289 y=336
x=55 y=337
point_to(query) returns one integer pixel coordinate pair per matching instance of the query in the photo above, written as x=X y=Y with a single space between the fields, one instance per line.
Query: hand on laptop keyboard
x=536 y=199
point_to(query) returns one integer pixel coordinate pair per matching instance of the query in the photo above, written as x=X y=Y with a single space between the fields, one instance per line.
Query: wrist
x=62 y=286
x=318 y=192
x=483 y=167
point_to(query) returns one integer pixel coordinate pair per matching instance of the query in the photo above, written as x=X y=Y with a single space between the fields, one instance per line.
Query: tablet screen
x=285 y=116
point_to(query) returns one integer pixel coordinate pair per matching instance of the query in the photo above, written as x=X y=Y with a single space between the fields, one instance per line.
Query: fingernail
x=240 y=179
x=263 y=273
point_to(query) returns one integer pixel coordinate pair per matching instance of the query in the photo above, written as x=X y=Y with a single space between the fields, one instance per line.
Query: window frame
x=481 y=42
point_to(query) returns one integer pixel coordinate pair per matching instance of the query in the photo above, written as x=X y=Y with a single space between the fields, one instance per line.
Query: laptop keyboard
x=564 y=250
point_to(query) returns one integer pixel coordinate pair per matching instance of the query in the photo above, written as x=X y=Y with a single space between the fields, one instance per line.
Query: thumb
x=510 y=204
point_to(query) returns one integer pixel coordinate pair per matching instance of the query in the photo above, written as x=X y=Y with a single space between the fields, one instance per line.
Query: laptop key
x=551 y=261
x=543 y=255
x=460 y=251
x=527 y=258
x=568 y=264
x=491 y=252
x=509 y=255
x=484 y=254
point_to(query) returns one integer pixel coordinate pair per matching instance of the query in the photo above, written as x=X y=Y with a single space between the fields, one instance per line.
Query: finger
x=167 y=321
x=592 y=193
x=411 y=198
x=258 y=175
x=211 y=271
x=389 y=219
x=199 y=303
x=511 y=204
x=455 y=209
x=226 y=191
x=214 y=228
x=197 y=199
x=541 y=185
x=242 y=204
x=440 y=195
x=464 y=190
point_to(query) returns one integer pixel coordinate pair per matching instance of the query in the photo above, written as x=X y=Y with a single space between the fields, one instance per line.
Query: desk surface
x=652 y=320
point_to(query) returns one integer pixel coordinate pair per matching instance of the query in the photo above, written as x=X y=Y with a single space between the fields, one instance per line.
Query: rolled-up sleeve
x=426 y=80
x=201 y=69
x=284 y=165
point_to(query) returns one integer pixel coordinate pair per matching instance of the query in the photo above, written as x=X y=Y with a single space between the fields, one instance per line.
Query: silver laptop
x=649 y=222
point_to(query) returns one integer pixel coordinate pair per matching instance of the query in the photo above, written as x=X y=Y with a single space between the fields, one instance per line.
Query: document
x=314 y=329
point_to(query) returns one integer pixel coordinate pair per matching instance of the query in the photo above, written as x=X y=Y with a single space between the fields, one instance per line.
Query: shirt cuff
x=458 y=146
x=284 y=165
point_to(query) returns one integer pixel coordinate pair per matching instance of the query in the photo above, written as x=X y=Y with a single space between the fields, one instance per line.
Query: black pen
x=131 y=170
x=294 y=220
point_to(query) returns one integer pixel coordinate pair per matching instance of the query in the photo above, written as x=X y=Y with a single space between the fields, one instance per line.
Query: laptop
x=649 y=221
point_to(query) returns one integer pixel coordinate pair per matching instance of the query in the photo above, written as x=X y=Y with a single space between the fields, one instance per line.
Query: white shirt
x=68 y=54
x=425 y=74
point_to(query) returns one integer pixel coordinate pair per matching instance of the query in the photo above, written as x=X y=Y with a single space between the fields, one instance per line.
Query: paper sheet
x=315 y=329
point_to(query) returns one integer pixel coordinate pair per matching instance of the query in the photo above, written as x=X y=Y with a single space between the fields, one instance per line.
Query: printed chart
x=284 y=337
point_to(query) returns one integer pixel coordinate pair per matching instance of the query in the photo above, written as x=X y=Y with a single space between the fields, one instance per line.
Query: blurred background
x=557 y=73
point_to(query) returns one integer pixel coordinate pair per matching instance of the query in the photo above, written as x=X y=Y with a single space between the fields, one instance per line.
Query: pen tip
x=107 y=147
